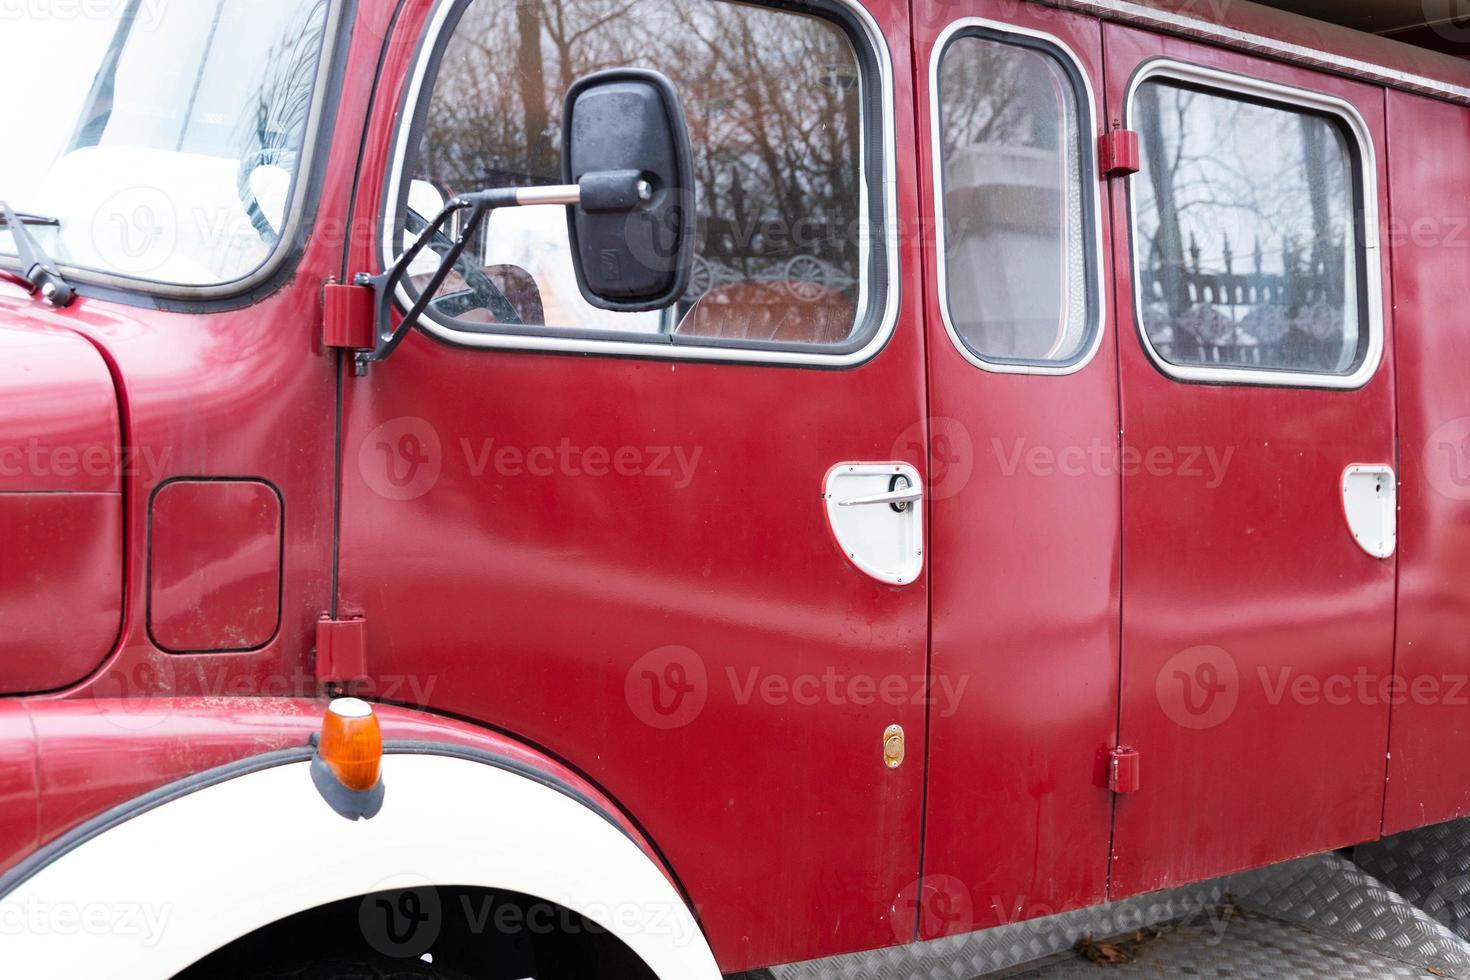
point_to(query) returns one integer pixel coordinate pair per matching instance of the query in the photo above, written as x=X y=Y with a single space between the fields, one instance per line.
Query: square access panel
x=214 y=565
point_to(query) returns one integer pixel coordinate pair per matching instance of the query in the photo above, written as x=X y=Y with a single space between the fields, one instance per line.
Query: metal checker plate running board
x=1324 y=910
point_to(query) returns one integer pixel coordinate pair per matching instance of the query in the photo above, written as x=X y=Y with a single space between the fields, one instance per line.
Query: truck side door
x=1258 y=401
x=1025 y=481
x=625 y=537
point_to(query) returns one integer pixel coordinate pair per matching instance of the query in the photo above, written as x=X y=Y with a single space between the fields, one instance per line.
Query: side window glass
x=1016 y=183
x=786 y=251
x=1246 y=245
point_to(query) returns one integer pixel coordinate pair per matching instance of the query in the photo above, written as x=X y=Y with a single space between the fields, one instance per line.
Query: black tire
x=356 y=969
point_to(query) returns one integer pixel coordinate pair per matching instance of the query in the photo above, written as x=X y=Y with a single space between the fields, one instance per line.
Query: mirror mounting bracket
x=619 y=190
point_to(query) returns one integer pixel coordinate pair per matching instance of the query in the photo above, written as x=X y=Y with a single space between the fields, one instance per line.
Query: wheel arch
x=156 y=884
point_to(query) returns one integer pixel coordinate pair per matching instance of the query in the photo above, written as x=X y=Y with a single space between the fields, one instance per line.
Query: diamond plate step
x=1327 y=903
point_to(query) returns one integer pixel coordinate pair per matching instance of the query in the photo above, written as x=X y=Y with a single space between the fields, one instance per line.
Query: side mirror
x=630 y=255
x=629 y=195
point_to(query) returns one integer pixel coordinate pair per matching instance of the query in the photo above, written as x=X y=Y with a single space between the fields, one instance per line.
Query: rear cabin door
x=622 y=537
x=1025 y=469
x=1430 y=142
x=1257 y=401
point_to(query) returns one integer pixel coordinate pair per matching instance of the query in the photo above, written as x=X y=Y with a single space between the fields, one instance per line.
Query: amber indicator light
x=352 y=744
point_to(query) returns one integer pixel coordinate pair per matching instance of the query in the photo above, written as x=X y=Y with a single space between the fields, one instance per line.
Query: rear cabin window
x=1246 y=241
x=1018 y=271
x=773 y=100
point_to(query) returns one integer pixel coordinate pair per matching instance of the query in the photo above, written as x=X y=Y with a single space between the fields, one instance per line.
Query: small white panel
x=884 y=543
x=1370 y=503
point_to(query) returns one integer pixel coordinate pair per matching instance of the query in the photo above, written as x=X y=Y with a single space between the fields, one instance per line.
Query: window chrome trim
x=293 y=235
x=887 y=180
x=1288 y=97
x=1090 y=178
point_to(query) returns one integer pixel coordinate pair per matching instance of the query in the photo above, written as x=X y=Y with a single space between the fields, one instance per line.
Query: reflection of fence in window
x=1219 y=170
x=1292 y=319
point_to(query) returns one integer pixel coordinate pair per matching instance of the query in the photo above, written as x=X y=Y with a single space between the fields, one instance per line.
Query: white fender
x=161 y=890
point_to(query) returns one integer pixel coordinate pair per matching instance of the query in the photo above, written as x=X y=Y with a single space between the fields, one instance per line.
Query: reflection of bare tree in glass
x=1167 y=246
x=988 y=103
x=1225 y=174
x=771 y=99
x=282 y=104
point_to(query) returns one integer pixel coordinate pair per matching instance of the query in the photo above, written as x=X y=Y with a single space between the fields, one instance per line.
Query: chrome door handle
x=882 y=534
x=906 y=495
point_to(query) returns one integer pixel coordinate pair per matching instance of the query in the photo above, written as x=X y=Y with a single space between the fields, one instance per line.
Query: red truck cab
x=790 y=479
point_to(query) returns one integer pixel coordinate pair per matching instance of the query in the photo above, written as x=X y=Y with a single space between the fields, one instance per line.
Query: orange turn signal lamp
x=347 y=769
x=351 y=744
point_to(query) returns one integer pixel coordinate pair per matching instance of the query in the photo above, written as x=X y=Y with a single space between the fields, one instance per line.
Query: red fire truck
x=612 y=488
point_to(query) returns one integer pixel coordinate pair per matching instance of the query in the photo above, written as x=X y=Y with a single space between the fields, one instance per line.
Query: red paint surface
x=61 y=527
x=88 y=755
x=1427 y=778
x=60 y=587
x=58 y=413
x=534 y=603
x=1257 y=580
x=1025 y=609
x=20 y=809
x=232 y=393
x=531 y=601
x=214 y=565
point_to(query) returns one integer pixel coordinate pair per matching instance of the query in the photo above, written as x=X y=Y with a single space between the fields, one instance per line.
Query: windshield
x=164 y=136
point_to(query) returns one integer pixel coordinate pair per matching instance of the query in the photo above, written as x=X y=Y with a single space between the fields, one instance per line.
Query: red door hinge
x=341 y=651
x=347 y=316
x=1123 y=770
x=1118 y=153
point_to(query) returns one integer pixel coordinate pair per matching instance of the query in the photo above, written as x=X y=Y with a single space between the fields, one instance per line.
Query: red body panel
x=686 y=643
x=86 y=756
x=1025 y=607
x=1431 y=704
x=544 y=600
x=219 y=590
x=1253 y=588
x=59 y=427
x=227 y=393
x=20 y=798
x=60 y=509
x=60 y=586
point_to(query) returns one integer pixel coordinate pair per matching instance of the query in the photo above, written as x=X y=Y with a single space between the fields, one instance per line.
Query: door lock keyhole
x=899 y=482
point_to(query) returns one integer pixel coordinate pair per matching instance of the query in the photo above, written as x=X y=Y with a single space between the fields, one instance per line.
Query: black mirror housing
x=632 y=252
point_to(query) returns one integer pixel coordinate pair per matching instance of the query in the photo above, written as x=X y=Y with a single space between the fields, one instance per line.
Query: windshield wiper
x=40 y=272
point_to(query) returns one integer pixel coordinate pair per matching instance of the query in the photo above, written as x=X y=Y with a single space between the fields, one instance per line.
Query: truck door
x=1258 y=503
x=631 y=539
x=1025 y=481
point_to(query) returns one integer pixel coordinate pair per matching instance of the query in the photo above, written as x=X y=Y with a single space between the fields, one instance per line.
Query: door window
x=1247 y=242
x=1019 y=273
x=787 y=252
